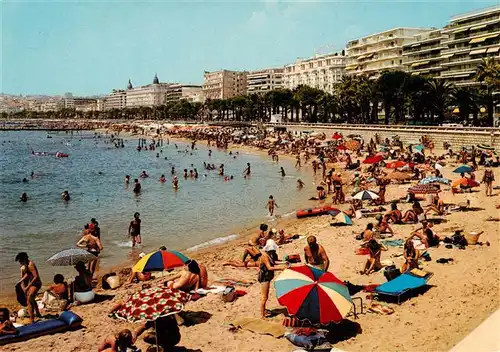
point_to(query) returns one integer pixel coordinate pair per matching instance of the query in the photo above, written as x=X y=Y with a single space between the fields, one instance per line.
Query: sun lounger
x=403 y=284
x=66 y=321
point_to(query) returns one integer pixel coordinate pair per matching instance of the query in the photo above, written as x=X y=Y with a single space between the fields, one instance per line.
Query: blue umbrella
x=462 y=169
x=434 y=179
x=419 y=148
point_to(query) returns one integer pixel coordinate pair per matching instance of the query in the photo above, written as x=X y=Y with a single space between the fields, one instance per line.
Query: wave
x=123 y=244
x=214 y=242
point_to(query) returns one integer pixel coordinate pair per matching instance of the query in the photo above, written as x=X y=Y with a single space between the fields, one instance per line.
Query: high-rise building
x=423 y=56
x=189 y=92
x=224 y=84
x=373 y=54
x=116 y=100
x=320 y=71
x=263 y=81
x=472 y=37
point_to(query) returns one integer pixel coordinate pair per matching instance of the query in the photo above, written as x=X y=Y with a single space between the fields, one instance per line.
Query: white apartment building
x=189 y=92
x=472 y=37
x=373 y=54
x=321 y=72
x=263 y=81
x=423 y=56
x=116 y=100
x=224 y=84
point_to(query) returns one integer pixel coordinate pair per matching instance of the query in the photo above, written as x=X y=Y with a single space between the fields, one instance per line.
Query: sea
x=202 y=212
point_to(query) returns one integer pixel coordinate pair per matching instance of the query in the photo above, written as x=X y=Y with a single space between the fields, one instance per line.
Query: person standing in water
x=300 y=184
x=221 y=170
x=298 y=163
x=172 y=172
x=271 y=204
x=282 y=172
x=137 y=186
x=127 y=179
x=134 y=230
x=24 y=197
x=247 y=171
x=175 y=183
x=65 y=196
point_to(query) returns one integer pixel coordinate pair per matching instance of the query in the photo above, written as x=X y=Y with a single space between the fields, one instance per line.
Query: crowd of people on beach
x=344 y=167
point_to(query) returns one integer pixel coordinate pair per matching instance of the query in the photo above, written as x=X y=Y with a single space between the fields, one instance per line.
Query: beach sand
x=462 y=294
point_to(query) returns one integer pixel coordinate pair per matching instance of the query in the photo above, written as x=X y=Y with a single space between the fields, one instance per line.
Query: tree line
x=396 y=97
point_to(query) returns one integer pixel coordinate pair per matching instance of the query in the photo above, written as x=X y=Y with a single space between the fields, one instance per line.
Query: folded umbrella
x=160 y=260
x=69 y=257
x=463 y=169
x=313 y=294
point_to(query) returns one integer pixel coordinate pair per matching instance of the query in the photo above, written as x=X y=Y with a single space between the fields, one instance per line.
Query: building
x=423 y=56
x=373 y=54
x=263 y=81
x=224 y=84
x=473 y=36
x=85 y=104
x=189 y=92
x=69 y=102
x=116 y=100
x=321 y=72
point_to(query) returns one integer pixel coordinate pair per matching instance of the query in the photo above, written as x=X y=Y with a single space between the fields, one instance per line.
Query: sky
x=91 y=47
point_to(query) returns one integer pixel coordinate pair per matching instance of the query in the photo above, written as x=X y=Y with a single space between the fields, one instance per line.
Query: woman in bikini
x=411 y=255
x=373 y=263
x=266 y=273
x=31 y=284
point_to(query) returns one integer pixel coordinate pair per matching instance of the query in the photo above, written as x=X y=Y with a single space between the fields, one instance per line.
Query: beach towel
x=380 y=309
x=211 y=289
x=393 y=243
x=231 y=282
x=259 y=326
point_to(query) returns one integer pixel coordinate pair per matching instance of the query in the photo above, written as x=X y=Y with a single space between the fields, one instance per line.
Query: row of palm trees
x=395 y=97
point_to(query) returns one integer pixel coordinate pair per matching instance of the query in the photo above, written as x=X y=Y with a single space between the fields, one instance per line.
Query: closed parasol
x=313 y=294
x=424 y=189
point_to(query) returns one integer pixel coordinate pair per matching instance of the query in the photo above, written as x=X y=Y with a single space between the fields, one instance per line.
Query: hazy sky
x=91 y=47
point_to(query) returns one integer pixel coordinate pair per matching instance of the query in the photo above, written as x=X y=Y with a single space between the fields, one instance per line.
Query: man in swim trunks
x=315 y=255
x=134 y=230
x=271 y=204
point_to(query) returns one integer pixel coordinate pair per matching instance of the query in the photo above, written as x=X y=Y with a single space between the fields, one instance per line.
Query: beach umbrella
x=465 y=182
x=313 y=294
x=342 y=218
x=336 y=136
x=151 y=304
x=69 y=257
x=424 y=189
x=463 y=169
x=366 y=195
x=160 y=260
x=434 y=179
x=419 y=148
x=373 y=159
x=395 y=164
x=352 y=145
x=485 y=147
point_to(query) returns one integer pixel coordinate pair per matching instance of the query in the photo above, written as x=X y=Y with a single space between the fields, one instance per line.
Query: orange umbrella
x=465 y=182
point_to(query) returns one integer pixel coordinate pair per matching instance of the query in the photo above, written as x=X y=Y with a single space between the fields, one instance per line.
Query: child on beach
x=271 y=204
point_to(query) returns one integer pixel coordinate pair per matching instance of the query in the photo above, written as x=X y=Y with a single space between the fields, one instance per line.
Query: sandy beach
x=462 y=293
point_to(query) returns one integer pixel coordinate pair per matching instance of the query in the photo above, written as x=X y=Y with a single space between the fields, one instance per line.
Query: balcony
x=459 y=24
x=423 y=50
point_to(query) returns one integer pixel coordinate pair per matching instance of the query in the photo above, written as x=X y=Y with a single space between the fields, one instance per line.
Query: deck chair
x=403 y=284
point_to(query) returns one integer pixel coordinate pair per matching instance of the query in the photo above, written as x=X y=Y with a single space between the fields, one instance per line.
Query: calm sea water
x=202 y=210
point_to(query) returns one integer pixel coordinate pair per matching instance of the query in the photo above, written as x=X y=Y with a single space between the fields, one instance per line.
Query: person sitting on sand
x=368 y=233
x=82 y=285
x=382 y=225
x=414 y=214
x=138 y=276
x=436 y=206
x=260 y=238
x=373 y=263
x=188 y=280
x=165 y=334
x=394 y=214
x=6 y=326
x=123 y=341
x=411 y=255
x=427 y=235
x=315 y=255
x=281 y=238
x=251 y=259
x=56 y=296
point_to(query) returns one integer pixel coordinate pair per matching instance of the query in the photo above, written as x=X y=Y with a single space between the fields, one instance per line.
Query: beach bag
x=229 y=294
x=293 y=258
x=391 y=272
x=308 y=342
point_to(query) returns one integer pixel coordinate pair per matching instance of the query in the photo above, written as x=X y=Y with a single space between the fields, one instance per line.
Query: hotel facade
x=423 y=56
x=263 y=81
x=321 y=72
x=224 y=84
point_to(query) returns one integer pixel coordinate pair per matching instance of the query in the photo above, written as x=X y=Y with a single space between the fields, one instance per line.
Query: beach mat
x=260 y=326
x=232 y=282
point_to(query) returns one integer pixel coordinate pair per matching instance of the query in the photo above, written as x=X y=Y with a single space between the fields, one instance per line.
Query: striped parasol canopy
x=69 y=257
x=313 y=294
x=151 y=304
x=160 y=260
x=342 y=218
x=424 y=189
x=366 y=195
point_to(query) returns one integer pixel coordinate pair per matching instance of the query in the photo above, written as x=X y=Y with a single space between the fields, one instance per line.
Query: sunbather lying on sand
x=251 y=259
x=6 y=326
x=193 y=278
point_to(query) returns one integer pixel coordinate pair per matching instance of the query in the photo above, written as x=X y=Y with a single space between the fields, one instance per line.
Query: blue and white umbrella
x=69 y=257
x=434 y=179
x=366 y=195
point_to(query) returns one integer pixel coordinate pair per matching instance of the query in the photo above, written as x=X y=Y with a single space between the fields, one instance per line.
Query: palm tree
x=488 y=73
x=439 y=97
x=465 y=98
x=346 y=95
x=417 y=88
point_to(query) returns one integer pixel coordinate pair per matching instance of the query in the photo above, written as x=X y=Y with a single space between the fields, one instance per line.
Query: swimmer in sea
x=300 y=184
x=24 y=197
x=185 y=173
x=175 y=183
x=65 y=196
x=25 y=180
x=173 y=171
x=163 y=179
x=127 y=179
x=32 y=174
x=282 y=172
x=137 y=187
x=134 y=230
x=221 y=170
x=195 y=173
x=271 y=204
x=247 y=171
x=191 y=174
x=210 y=152
x=144 y=174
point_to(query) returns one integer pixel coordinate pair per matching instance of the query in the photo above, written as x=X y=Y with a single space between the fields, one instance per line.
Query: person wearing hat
x=267 y=267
